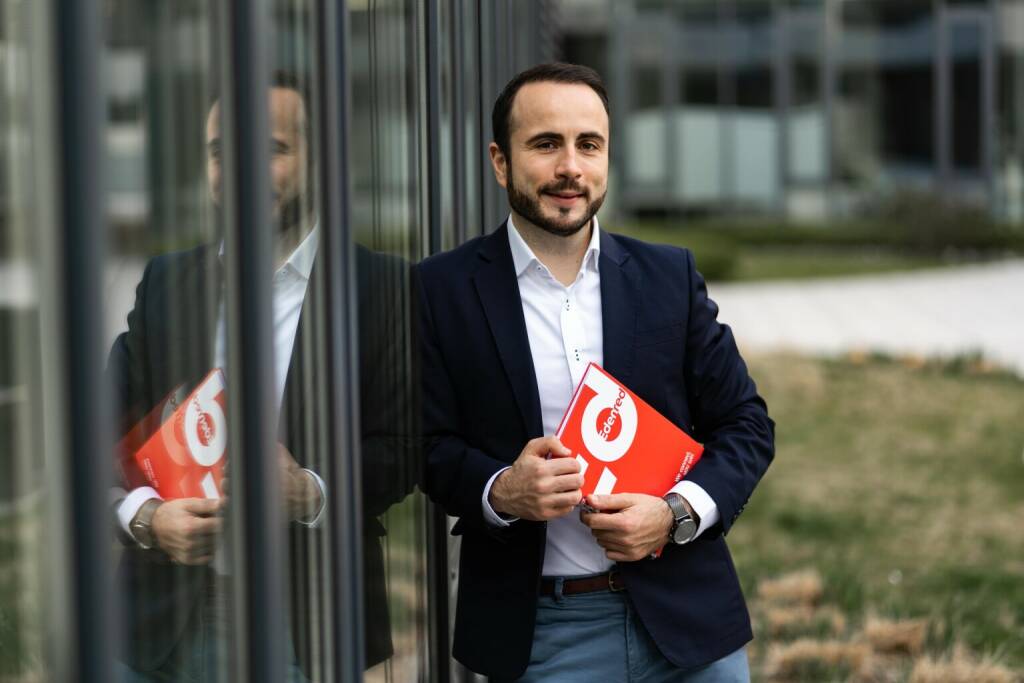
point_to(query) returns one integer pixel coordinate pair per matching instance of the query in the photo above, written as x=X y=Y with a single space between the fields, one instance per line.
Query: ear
x=500 y=164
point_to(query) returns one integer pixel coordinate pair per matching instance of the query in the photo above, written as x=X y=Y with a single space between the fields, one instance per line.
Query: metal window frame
x=345 y=507
x=256 y=534
x=83 y=645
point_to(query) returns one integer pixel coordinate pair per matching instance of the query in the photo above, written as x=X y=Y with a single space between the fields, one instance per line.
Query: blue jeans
x=202 y=654
x=598 y=637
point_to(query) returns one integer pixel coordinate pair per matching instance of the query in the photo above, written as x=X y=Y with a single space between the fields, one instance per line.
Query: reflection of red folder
x=622 y=444
x=184 y=456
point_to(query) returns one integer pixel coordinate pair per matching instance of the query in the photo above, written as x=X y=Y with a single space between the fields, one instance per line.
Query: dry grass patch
x=803 y=587
x=786 y=621
x=960 y=668
x=807 y=659
x=905 y=637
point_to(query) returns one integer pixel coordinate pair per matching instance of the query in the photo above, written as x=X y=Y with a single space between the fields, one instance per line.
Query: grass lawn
x=777 y=263
x=894 y=506
x=721 y=258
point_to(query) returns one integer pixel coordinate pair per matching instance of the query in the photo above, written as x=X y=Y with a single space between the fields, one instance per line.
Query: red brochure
x=623 y=445
x=180 y=448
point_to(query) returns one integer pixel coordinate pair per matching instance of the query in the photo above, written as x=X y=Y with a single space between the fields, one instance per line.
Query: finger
x=201 y=550
x=206 y=526
x=602 y=520
x=202 y=559
x=618 y=556
x=545 y=445
x=568 y=500
x=561 y=466
x=611 y=501
x=614 y=547
x=202 y=506
x=565 y=482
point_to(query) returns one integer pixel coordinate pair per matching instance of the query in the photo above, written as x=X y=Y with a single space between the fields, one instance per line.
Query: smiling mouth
x=564 y=197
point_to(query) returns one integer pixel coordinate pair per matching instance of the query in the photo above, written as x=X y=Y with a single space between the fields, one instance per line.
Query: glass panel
x=701 y=121
x=884 y=125
x=24 y=523
x=167 y=308
x=164 y=323
x=966 y=42
x=804 y=27
x=755 y=126
x=389 y=220
x=1009 y=137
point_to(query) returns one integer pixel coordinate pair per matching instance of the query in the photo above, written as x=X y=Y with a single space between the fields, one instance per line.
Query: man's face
x=289 y=152
x=556 y=170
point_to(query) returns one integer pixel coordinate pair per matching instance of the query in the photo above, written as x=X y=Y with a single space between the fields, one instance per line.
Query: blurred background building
x=807 y=109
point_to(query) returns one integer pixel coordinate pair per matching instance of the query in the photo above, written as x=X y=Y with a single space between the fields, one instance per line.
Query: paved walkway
x=940 y=312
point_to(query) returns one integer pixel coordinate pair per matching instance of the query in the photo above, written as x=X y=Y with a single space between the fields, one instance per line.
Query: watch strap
x=142 y=524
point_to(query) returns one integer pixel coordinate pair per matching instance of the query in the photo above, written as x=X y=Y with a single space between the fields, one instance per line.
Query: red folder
x=623 y=445
x=181 y=455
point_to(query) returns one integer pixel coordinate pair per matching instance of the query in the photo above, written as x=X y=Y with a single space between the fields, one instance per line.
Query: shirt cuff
x=490 y=516
x=701 y=503
x=318 y=518
x=130 y=507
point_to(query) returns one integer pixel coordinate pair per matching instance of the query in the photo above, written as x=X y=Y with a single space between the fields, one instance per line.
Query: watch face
x=684 y=531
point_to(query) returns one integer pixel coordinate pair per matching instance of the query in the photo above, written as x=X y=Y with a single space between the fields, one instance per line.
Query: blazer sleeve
x=729 y=416
x=456 y=473
x=126 y=369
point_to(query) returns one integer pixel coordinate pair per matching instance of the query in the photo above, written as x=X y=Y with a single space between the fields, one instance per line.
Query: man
x=173 y=572
x=509 y=322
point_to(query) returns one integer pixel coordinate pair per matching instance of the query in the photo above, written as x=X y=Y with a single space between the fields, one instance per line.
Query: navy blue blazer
x=481 y=406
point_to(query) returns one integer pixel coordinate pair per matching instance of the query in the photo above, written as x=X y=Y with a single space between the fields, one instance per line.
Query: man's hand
x=629 y=526
x=537 y=488
x=300 y=495
x=187 y=529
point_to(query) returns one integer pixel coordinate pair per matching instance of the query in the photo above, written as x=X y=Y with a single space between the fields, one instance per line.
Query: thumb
x=610 y=502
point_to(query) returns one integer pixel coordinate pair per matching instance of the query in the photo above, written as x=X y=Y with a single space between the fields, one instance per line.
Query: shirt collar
x=523 y=256
x=301 y=260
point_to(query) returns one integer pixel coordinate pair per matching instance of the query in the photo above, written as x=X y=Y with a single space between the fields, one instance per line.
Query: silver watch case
x=684 y=528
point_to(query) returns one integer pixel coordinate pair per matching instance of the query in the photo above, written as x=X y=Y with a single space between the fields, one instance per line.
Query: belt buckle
x=615 y=584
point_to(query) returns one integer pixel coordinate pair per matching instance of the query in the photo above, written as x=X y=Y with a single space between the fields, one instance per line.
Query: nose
x=568 y=166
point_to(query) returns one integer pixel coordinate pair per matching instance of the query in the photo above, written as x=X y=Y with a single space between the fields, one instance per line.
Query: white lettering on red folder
x=623 y=445
x=181 y=455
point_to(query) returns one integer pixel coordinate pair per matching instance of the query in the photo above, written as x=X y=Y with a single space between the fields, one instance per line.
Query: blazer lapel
x=620 y=286
x=189 y=321
x=498 y=288
x=298 y=380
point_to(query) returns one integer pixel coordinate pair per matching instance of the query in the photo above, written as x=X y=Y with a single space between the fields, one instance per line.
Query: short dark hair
x=556 y=72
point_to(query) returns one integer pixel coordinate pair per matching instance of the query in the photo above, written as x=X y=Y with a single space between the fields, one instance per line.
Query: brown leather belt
x=612 y=581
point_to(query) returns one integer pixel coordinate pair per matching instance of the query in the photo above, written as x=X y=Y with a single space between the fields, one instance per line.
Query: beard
x=530 y=208
x=283 y=217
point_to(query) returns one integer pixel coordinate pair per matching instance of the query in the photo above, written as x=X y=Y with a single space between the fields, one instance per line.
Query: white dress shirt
x=288 y=293
x=564 y=326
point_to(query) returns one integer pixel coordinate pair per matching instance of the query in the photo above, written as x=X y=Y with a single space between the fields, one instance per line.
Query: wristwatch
x=142 y=524
x=684 y=528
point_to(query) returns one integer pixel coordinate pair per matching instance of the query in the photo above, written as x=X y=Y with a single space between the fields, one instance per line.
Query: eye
x=589 y=146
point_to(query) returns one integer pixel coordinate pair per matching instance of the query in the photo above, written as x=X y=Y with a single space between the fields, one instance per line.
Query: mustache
x=566 y=185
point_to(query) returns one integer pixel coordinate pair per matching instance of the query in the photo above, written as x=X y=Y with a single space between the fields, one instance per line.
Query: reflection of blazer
x=481 y=406
x=170 y=340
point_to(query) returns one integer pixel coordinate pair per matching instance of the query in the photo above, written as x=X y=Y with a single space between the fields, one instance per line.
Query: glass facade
x=208 y=215
x=806 y=108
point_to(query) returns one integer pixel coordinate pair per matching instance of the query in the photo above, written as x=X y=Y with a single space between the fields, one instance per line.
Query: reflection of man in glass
x=174 y=570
